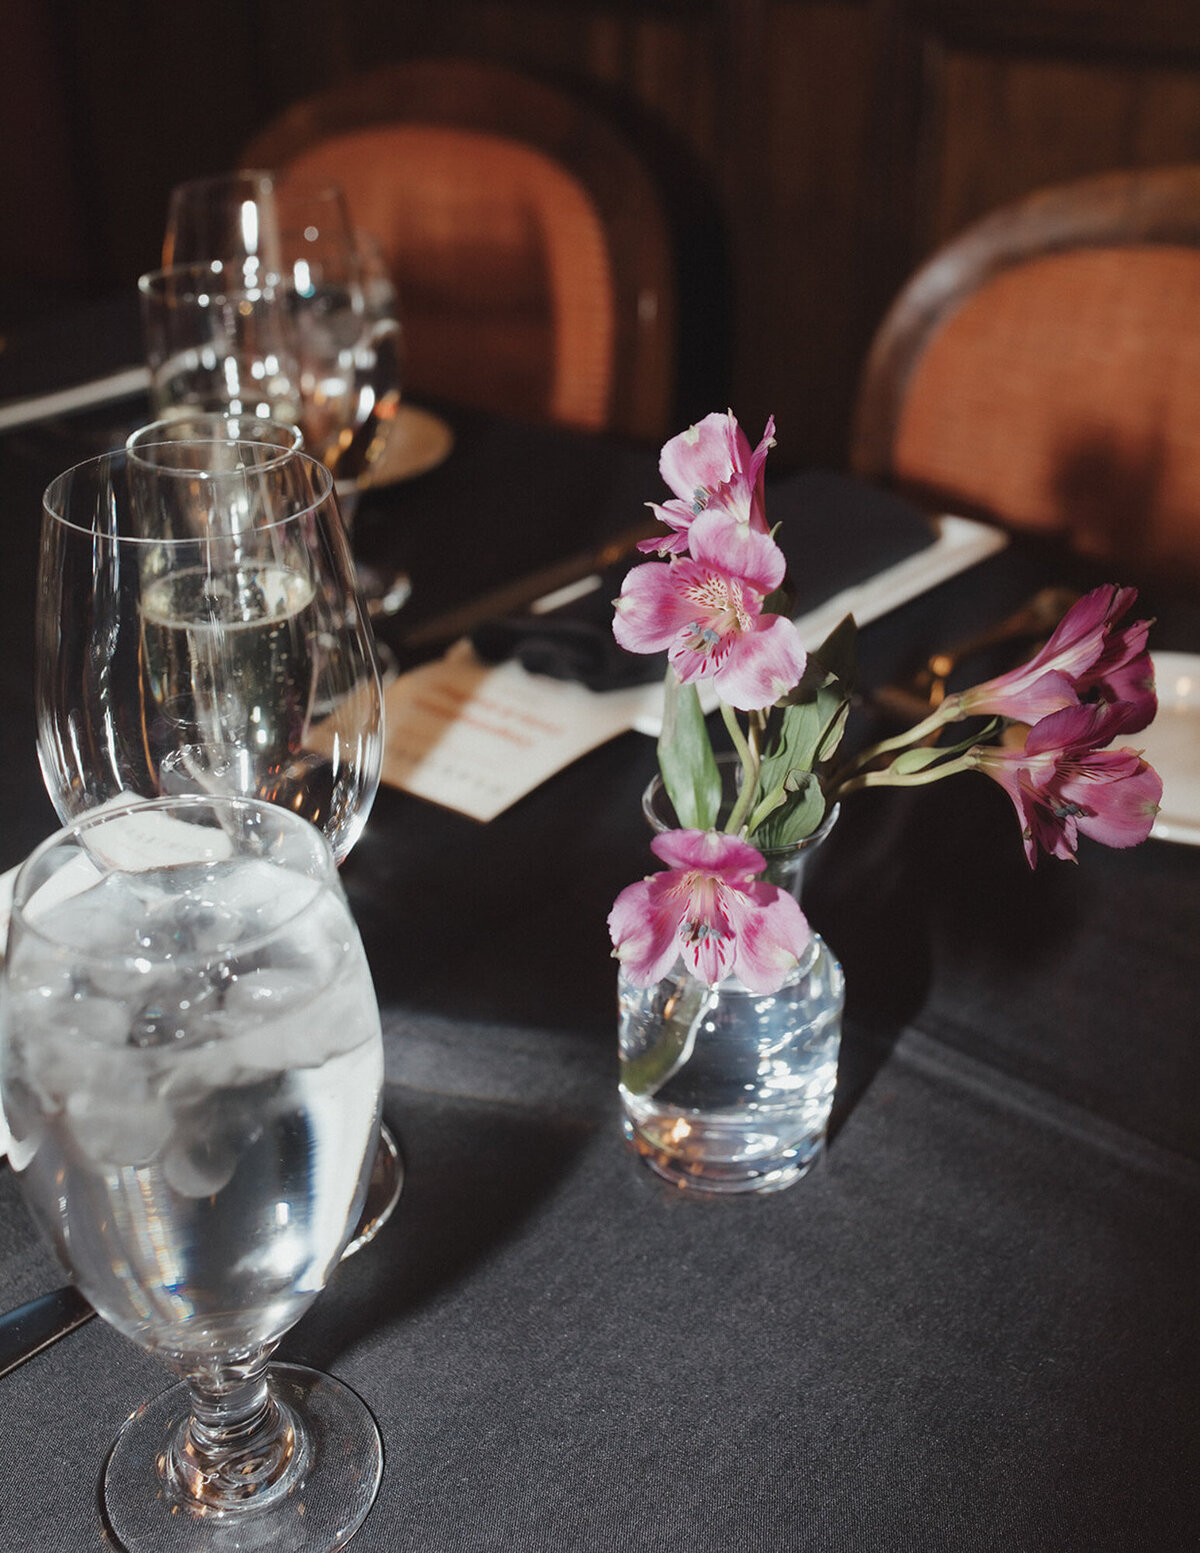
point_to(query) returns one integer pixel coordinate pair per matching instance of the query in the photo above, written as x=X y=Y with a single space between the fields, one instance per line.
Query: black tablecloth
x=972 y=1327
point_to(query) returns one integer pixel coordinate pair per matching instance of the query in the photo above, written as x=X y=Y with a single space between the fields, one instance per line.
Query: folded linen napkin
x=834 y=530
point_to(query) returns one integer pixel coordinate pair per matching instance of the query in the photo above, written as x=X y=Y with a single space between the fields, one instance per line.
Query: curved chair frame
x=492 y=100
x=1038 y=371
x=1125 y=209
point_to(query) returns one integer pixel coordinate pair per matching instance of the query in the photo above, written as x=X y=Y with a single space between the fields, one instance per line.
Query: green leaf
x=832 y=736
x=786 y=825
x=838 y=653
x=803 y=732
x=685 y=757
x=782 y=601
x=808 y=729
x=792 y=742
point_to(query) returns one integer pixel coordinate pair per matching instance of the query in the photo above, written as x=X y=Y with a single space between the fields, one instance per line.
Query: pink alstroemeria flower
x=1087 y=654
x=1066 y=782
x=705 y=611
x=709 y=908
x=711 y=467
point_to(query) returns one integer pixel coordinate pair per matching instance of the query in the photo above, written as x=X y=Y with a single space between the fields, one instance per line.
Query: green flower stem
x=749 y=757
x=889 y=778
x=646 y=1074
x=946 y=713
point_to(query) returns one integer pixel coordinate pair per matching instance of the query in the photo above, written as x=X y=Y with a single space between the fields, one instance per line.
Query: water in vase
x=728 y=1090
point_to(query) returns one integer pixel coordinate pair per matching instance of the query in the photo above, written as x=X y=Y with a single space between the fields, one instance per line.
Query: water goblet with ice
x=191 y=1066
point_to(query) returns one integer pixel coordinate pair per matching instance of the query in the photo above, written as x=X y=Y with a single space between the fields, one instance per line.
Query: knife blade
x=29 y=1328
x=512 y=597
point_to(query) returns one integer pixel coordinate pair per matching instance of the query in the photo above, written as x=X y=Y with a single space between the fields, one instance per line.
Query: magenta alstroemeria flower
x=1066 y=781
x=711 y=468
x=1088 y=654
x=705 y=612
x=708 y=907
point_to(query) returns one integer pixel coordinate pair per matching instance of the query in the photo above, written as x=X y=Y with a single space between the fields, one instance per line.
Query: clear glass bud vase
x=725 y=1090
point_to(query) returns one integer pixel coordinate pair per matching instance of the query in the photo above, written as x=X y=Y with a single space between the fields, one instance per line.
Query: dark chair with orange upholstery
x=1043 y=369
x=527 y=240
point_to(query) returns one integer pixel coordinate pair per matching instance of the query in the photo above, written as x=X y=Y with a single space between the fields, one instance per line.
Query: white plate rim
x=1169 y=669
x=418 y=441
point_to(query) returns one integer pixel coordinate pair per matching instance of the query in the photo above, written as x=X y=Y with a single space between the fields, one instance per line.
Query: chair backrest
x=1043 y=369
x=530 y=250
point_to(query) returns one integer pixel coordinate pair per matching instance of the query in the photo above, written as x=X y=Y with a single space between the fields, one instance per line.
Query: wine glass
x=218 y=342
x=297 y=241
x=336 y=307
x=226 y=216
x=192 y=1068
x=195 y=426
x=199 y=629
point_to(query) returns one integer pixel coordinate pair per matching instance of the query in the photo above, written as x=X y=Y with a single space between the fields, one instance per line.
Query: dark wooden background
x=839 y=140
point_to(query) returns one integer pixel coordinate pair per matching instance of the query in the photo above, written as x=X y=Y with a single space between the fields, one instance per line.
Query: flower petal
x=700 y=458
x=1087 y=655
x=1119 y=813
x=772 y=934
x=710 y=850
x=717 y=540
x=710 y=955
x=651 y=609
x=644 y=927
x=762 y=665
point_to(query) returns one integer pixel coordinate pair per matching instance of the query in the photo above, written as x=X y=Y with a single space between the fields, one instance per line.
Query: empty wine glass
x=292 y=247
x=191 y=1066
x=296 y=242
x=227 y=216
x=197 y=427
x=199 y=629
x=217 y=342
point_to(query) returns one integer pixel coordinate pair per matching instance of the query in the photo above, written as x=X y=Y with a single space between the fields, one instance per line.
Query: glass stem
x=241 y=1443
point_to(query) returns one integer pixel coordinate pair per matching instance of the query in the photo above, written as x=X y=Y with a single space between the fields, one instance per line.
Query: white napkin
x=82 y=396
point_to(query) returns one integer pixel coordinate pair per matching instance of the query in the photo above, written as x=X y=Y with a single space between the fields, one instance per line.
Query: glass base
x=317 y=1506
x=694 y=1165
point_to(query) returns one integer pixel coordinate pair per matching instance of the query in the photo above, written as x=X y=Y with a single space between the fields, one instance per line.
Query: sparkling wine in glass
x=191 y=1067
x=200 y=630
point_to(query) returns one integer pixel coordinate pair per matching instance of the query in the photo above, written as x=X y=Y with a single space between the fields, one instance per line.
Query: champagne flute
x=191 y=1066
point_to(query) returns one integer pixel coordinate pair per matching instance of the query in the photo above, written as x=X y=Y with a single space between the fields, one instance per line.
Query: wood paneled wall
x=839 y=140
